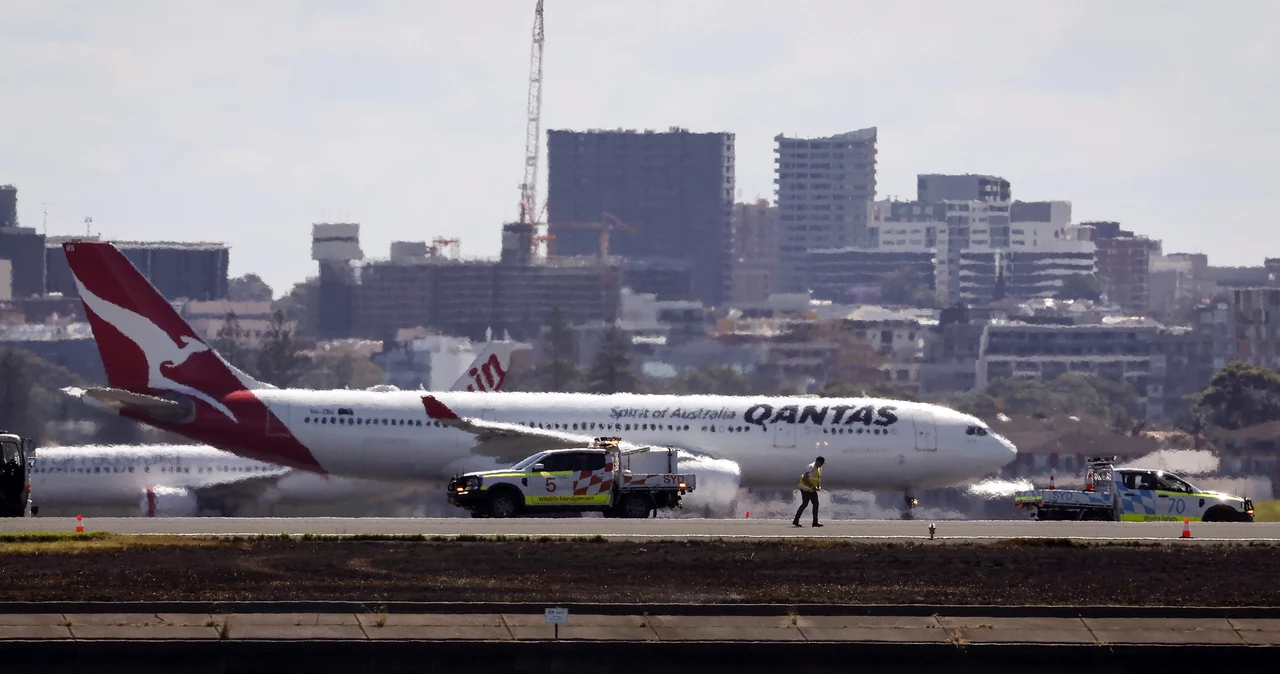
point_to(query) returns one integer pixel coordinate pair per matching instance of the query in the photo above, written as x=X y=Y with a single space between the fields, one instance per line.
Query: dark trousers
x=809 y=497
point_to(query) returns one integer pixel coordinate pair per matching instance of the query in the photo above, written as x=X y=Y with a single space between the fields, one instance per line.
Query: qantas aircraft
x=186 y=480
x=161 y=373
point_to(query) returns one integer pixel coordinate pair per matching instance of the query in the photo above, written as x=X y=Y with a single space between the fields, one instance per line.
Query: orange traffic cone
x=1088 y=481
x=79 y=524
x=1186 y=527
x=1051 y=487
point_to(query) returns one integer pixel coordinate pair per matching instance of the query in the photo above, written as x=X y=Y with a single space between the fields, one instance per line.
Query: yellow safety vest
x=815 y=476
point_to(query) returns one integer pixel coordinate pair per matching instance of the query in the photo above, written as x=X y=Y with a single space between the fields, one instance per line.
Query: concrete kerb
x=536 y=608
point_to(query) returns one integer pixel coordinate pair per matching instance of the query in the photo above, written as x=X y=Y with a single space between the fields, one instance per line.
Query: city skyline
x=246 y=123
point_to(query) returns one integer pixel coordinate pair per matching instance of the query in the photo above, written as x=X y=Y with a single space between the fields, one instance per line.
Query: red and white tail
x=489 y=370
x=145 y=345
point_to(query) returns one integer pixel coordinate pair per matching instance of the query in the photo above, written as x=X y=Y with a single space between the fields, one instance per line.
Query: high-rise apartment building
x=967 y=187
x=1253 y=326
x=755 y=251
x=8 y=206
x=665 y=196
x=1124 y=268
x=826 y=188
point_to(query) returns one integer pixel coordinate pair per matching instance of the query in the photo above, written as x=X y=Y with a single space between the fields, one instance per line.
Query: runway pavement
x=671 y=529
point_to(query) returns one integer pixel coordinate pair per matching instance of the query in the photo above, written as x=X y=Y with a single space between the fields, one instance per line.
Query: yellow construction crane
x=607 y=224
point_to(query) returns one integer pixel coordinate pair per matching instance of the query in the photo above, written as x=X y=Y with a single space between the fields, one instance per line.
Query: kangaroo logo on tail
x=158 y=347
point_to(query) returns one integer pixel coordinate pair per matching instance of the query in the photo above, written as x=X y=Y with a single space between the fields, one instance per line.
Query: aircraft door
x=926 y=431
x=784 y=435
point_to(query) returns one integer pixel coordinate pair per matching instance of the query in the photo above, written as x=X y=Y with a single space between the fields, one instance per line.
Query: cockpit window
x=975 y=430
x=9 y=453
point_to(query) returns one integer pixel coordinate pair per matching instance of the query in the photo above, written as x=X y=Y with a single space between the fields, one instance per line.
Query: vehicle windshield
x=9 y=453
x=524 y=465
x=1173 y=483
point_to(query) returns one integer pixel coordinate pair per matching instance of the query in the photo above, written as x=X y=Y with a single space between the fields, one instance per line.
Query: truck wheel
x=1219 y=514
x=503 y=504
x=634 y=506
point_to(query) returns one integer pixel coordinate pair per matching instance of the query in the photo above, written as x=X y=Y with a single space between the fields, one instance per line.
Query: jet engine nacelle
x=167 y=502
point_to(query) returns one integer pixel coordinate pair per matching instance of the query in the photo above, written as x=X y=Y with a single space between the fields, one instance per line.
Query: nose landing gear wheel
x=909 y=503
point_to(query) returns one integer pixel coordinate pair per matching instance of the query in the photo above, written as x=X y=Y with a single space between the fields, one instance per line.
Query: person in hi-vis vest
x=810 y=485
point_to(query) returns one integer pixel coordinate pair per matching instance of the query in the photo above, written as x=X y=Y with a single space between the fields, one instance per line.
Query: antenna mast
x=533 y=130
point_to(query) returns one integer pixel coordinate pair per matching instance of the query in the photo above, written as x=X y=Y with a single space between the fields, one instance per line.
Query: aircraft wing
x=505 y=442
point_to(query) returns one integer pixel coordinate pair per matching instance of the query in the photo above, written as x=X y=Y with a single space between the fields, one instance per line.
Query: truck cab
x=16 y=459
x=1134 y=495
x=1157 y=495
x=596 y=478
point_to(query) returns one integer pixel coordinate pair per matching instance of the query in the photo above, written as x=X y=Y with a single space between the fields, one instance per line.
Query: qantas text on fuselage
x=391 y=435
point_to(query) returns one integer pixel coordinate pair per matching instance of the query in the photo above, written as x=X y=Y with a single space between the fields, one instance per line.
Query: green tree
x=1119 y=397
x=611 y=372
x=302 y=305
x=1076 y=394
x=1080 y=287
x=558 y=372
x=713 y=380
x=975 y=403
x=562 y=355
x=1023 y=396
x=1241 y=395
x=16 y=392
x=906 y=287
x=229 y=344
x=248 y=288
x=280 y=361
x=355 y=372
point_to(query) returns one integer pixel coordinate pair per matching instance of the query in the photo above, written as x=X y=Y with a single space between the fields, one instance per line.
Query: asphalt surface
x=661 y=529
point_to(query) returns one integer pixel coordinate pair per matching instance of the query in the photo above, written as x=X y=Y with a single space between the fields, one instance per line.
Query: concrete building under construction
x=422 y=285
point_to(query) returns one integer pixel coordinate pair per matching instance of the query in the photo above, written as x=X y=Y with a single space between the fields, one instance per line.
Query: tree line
x=279 y=358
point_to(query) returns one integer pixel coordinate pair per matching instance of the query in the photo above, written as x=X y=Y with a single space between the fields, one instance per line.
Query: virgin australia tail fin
x=489 y=370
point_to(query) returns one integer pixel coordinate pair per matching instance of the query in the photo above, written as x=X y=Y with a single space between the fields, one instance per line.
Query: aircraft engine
x=167 y=502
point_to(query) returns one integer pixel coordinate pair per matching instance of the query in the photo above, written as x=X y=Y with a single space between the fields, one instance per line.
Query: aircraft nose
x=1002 y=450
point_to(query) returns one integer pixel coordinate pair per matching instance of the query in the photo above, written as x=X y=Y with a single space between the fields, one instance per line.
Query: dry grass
x=1267 y=511
x=63 y=543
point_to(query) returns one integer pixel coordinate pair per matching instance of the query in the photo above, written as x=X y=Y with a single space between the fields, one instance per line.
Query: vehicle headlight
x=472 y=483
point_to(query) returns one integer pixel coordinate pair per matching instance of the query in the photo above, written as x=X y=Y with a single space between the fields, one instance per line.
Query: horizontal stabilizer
x=114 y=399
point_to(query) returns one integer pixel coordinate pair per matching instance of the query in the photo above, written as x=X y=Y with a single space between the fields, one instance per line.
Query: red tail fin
x=145 y=345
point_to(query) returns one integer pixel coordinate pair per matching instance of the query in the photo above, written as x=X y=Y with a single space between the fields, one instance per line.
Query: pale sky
x=247 y=121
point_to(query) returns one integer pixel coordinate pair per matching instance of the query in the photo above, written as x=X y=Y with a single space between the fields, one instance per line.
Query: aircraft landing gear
x=909 y=502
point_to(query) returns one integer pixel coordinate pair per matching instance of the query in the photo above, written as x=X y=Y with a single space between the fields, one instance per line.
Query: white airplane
x=161 y=373
x=186 y=480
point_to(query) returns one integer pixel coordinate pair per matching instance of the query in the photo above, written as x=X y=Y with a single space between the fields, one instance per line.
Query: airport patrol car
x=1134 y=495
x=601 y=477
x=16 y=459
